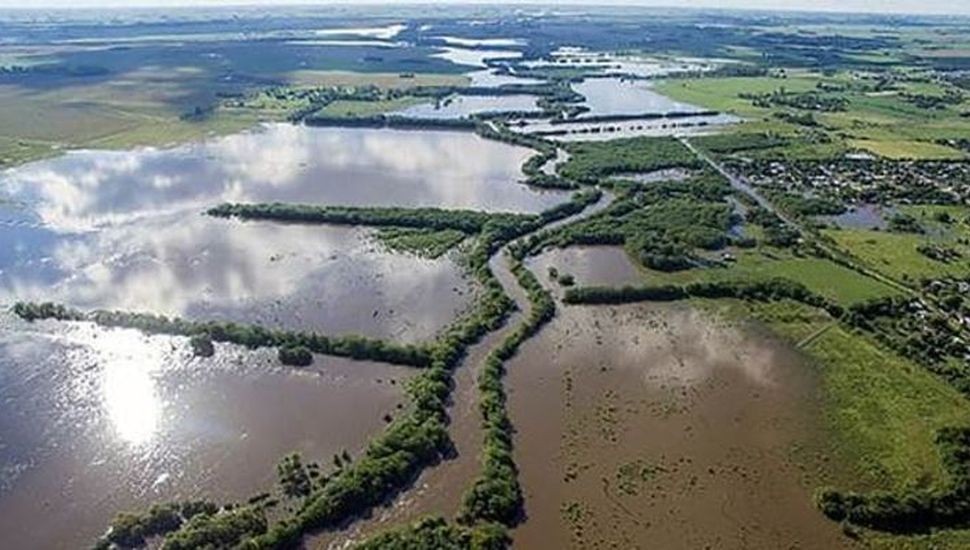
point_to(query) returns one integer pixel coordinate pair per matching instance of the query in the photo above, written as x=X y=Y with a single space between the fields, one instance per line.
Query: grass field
x=822 y=276
x=881 y=412
x=354 y=108
x=895 y=254
x=884 y=410
x=883 y=124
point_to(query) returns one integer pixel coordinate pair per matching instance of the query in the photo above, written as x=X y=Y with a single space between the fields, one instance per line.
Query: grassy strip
x=765 y=291
x=251 y=336
x=438 y=219
x=428 y=243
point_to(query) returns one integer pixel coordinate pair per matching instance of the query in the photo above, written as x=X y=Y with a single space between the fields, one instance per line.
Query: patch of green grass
x=356 y=108
x=819 y=275
x=895 y=254
x=884 y=410
x=907 y=149
x=422 y=242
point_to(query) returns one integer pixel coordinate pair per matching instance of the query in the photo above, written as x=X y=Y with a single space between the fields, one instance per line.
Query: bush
x=201 y=345
x=296 y=356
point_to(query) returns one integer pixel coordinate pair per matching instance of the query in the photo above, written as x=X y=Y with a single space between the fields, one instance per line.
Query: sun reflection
x=128 y=390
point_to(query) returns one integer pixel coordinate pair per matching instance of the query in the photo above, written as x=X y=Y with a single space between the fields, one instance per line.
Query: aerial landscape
x=485 y=276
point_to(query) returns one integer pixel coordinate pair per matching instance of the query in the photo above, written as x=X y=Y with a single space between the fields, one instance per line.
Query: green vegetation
x=201 y=345
x=661 y=224
x=295 y=356
x=917 y=510
x=429 y=243
x=439 y=534
x=821 y=276
x=592 y=161
x=251 y=336
x=467 y=221
x=131 y=530
x=769 y=290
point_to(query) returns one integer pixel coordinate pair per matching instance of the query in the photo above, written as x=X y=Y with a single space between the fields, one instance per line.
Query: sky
x=869 y=6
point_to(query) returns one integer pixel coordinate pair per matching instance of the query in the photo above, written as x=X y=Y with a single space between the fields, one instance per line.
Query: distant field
x=884 y=124
x=350 y=108
x=381 y=80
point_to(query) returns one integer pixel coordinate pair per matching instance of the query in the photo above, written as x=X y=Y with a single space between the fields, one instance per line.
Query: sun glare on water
x=128 y=391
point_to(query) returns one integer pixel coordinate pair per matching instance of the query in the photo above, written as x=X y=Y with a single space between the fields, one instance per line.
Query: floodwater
x=465 y=106
x=620 y=96
x=863 y=216
x=658 y=426
x=589 y=265
x=492 y=78
x=96 y=421
x=125 y=230
x=282 y=162
x=275 y=275
x=579 y=130
x=474 y=57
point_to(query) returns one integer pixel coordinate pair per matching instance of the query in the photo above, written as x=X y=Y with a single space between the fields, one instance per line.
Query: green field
x=882 y=123
x=895 y=254
x=819 y=275
x=355 y=108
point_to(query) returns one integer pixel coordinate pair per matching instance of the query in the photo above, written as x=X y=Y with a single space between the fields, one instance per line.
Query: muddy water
x=95 y=421
x=279 y=275
x=649 y=426
x=439 y=490
x=589 y=265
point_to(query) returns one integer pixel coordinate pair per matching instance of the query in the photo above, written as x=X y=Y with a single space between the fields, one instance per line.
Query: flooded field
x=96 y=421
x=863 y=216
x=579 y=130
x=656 y=426
x=283 y=162
x=276 y=275
x=620 y=96
x=465 y=106
x=125 y=230
x=590 y=265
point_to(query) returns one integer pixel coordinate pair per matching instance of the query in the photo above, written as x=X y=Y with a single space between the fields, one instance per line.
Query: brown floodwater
x=590 y=265
x=96 y=421
x=439 y=490
x=658 y=426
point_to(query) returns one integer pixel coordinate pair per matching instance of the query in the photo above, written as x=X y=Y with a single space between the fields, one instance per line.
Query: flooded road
x=96 y=421
x=657 y=426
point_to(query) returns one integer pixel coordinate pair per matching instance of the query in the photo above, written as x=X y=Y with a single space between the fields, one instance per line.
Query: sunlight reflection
x=128 y=388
